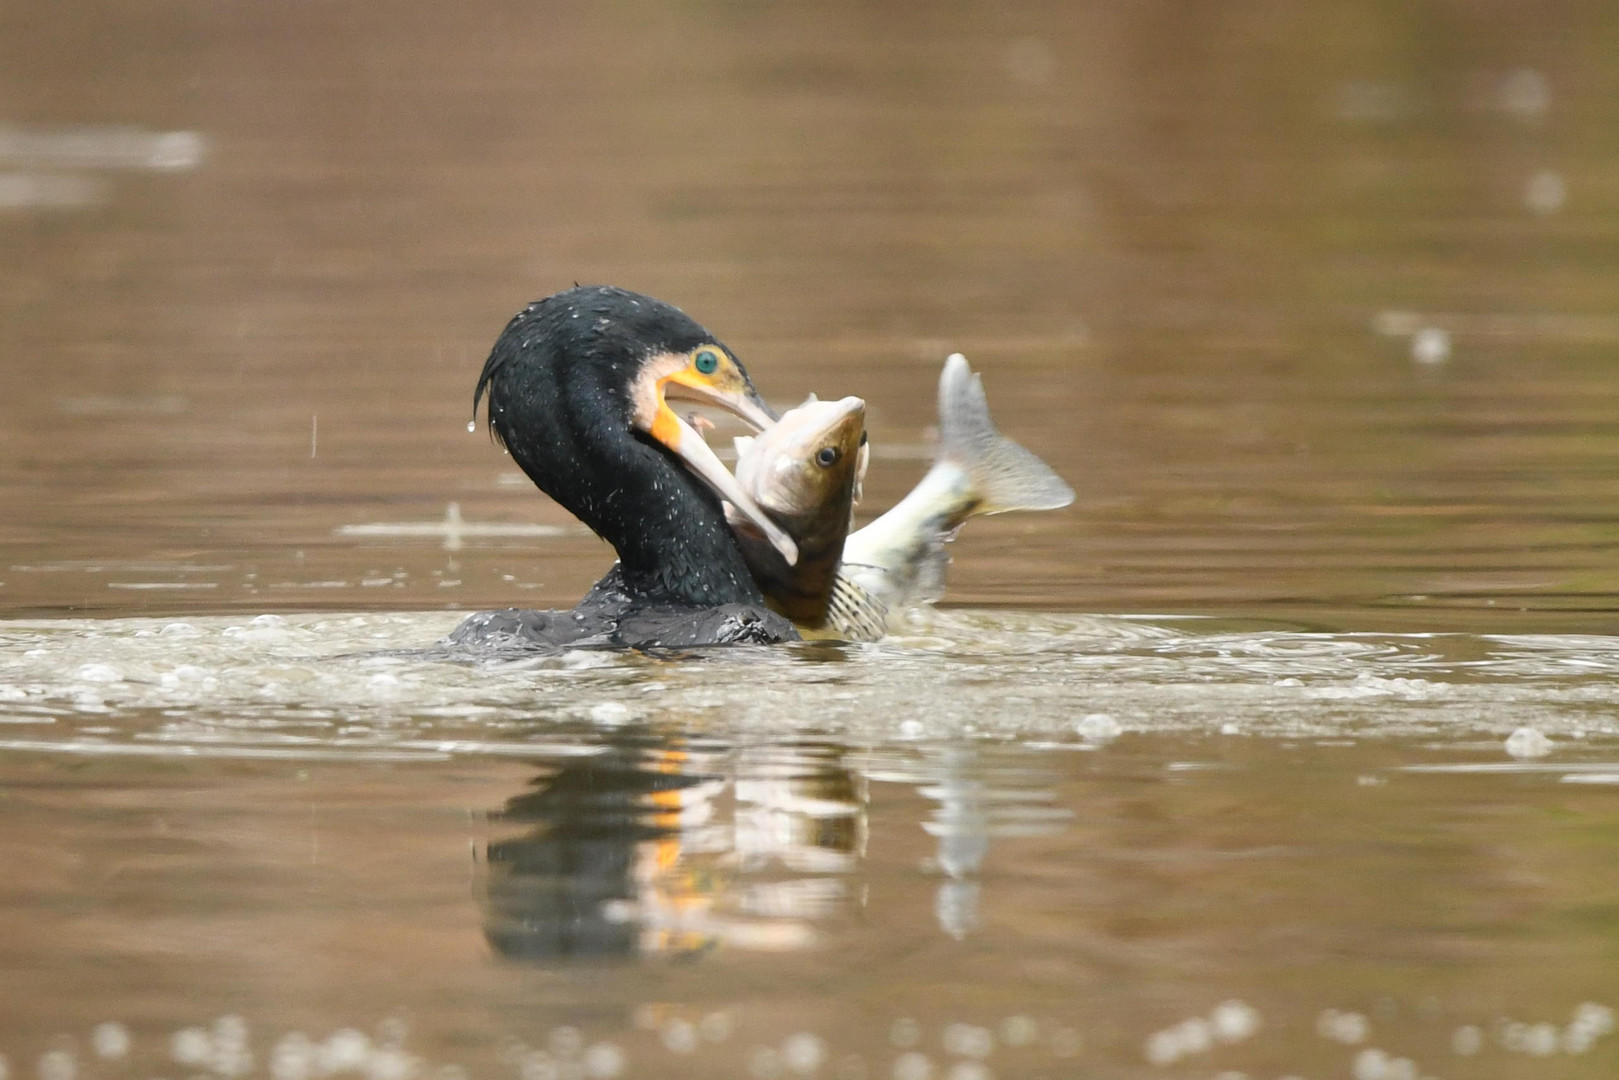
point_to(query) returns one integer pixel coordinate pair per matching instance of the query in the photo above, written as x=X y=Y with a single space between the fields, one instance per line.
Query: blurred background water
x=1312 y=304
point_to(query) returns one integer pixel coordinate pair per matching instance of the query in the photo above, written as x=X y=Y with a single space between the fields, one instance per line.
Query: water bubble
x=965 y=1040
x=343 y=1051
x=191 y=1046
x=1233 y=1021
x=803 y=1052
x=905 y=1033
x=5 y=1068
x=1098 y=727
x=1430 y=345
x=604 y=1061
x=1596 y=1019
x=969 y=1070
x=1162 y=1048
x=103 y=673
x=110 y=1040
x=390 y=1063
x=1525 y=94
x=679 y=1036
x=292 y=1057
x=472 y=426
x=1528 y=742
x=1545 y=193
x=1540 y=1040
x=1196 y=1035
x=715 y=1027
x=913 y=1066
x=1019 y=1031
x=1370 y=1064
x=912 y=729
x=57 y=1065
x=1348 y=1028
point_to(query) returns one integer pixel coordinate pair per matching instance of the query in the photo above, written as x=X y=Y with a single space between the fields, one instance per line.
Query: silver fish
x=804 y=472
x=899 y=560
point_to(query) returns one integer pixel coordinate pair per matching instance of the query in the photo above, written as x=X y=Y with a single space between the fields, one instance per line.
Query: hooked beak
x=745 y=405
x=675 y=433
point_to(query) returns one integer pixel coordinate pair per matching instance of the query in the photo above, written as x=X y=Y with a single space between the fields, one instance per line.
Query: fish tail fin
x=1005 y=476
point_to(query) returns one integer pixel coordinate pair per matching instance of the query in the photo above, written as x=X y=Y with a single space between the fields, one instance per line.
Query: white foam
x=1098 y=727
x=1528 y=742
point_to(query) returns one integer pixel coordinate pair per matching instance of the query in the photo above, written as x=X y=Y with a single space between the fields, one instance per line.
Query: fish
x=899 y=560
x=805 y=473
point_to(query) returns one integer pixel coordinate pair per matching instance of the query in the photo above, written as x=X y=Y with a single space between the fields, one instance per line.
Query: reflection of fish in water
x=804 y=472
x=899 y=560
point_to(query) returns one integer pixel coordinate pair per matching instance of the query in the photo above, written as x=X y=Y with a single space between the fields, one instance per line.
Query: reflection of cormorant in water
x=632 y=851
x=579 y=387
x=560 y=891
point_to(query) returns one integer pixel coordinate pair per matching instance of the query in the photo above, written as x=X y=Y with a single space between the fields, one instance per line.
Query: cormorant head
x=594 y=359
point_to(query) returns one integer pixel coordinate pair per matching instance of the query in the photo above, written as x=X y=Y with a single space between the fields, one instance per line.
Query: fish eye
x=827 y=457
x=707 y=361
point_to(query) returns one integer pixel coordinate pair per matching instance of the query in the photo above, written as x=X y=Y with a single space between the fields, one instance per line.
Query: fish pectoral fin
x=853 y=613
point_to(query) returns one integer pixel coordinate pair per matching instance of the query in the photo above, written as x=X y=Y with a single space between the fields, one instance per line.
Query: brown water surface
x=1313 y=305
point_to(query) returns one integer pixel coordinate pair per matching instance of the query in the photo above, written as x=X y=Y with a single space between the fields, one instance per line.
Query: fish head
x=808 y=463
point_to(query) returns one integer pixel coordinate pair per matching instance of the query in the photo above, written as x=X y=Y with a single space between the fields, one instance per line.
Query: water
x=1289 y=750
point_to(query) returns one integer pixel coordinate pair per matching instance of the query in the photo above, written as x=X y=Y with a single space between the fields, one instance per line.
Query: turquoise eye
x=706 y=362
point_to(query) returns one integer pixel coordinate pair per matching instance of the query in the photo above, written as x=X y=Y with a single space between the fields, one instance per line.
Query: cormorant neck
x=673 y=542
x=668 y=527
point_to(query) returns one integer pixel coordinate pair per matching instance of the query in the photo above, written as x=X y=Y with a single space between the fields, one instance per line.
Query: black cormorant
x=579 y=385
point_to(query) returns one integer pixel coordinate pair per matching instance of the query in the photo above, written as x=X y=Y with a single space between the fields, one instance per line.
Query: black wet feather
x=558 y=383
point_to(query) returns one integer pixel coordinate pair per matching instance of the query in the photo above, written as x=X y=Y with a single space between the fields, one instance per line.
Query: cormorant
x=579 y=385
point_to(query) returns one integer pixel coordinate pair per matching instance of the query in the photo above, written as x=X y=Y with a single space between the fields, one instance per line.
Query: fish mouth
x=689 y=445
